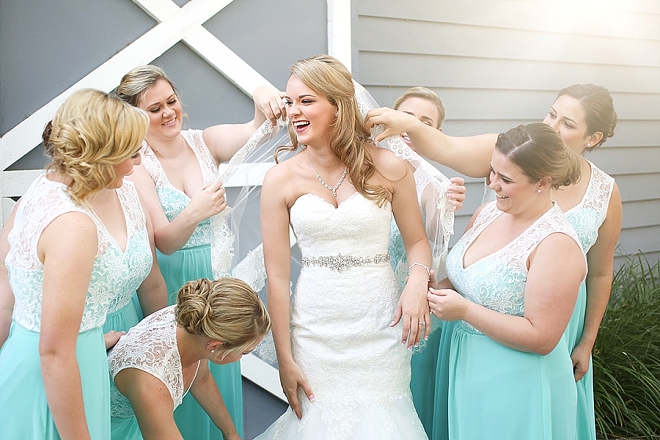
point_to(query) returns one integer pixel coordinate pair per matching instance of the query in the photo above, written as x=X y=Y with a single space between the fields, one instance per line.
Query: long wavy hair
x=328 y=77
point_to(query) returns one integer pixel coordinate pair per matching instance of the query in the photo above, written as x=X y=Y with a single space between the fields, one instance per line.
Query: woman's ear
x=545 y=183
x=214 y=344
x=593 y=139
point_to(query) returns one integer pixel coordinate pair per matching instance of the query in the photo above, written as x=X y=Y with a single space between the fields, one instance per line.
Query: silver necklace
x=334 y=189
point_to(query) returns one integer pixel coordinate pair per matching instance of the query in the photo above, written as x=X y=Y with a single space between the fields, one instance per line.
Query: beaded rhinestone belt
x=340 y=262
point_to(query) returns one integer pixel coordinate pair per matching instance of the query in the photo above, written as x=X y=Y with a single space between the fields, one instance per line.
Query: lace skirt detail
x=354 y=361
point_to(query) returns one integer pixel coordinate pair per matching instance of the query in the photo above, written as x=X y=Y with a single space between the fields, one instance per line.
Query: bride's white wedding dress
x=341 y=312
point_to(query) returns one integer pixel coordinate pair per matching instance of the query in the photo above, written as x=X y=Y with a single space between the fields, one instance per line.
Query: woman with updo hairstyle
x=166 y=355
x=75 y=245
x=144 y=292
x=512 y=286
x=584 y=117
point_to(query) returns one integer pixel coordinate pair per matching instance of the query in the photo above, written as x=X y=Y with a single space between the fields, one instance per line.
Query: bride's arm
x=413 y=307
x=277 y=257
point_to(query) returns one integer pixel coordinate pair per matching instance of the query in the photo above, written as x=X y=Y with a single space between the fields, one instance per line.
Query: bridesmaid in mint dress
x=179 y=182
x=62 y=252
x=584 y=117
x=518 y=269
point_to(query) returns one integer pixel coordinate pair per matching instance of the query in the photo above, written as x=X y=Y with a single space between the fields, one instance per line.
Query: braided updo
x=226 y=309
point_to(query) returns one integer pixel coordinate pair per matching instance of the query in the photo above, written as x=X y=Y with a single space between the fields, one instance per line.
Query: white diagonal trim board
x=25 y=136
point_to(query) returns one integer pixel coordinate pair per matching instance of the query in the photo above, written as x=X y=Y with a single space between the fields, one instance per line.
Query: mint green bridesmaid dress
x=24 y=411
x=207 y=254
x=587 y=217
x=496 y=392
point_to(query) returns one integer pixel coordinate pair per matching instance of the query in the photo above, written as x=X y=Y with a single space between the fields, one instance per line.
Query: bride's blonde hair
x=328 y=77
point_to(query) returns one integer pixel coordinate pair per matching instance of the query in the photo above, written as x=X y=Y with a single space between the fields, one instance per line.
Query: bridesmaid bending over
x=165 y=356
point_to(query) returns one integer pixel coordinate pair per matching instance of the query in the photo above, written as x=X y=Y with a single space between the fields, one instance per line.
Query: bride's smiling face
x=310 y=114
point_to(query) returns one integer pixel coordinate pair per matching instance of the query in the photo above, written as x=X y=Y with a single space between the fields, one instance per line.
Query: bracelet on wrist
x=428 y=271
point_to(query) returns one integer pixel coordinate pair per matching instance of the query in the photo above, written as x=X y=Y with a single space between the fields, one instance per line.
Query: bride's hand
x=292 y=377
x=413 y=309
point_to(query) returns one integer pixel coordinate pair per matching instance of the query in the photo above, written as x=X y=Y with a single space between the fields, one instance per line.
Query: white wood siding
x=496 y=64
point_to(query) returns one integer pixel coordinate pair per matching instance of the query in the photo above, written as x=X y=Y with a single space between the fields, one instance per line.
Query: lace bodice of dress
x=214 y=230
x=588 y=215
x=498 y=281
x=44 y=201
x=137 y=258
x=150 y=346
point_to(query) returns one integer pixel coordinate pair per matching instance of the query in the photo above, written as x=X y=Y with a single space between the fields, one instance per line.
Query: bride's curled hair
x=328 y=77
x=227 y=309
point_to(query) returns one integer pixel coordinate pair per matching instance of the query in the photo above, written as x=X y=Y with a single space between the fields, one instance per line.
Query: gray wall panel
x=636 y=187
x=271 y=35
x=449 y=39
x=641 y=213
x=46 y=46
x=629 y=19
x=500 y=63
x=377 y=68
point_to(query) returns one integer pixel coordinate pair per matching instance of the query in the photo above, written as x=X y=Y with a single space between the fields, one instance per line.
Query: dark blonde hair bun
x=227 y=309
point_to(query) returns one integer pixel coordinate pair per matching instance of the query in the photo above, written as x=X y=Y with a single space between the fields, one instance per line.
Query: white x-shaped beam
x=175 y=24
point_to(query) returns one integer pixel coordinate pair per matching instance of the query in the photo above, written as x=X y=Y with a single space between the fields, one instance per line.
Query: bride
x=343 y=342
